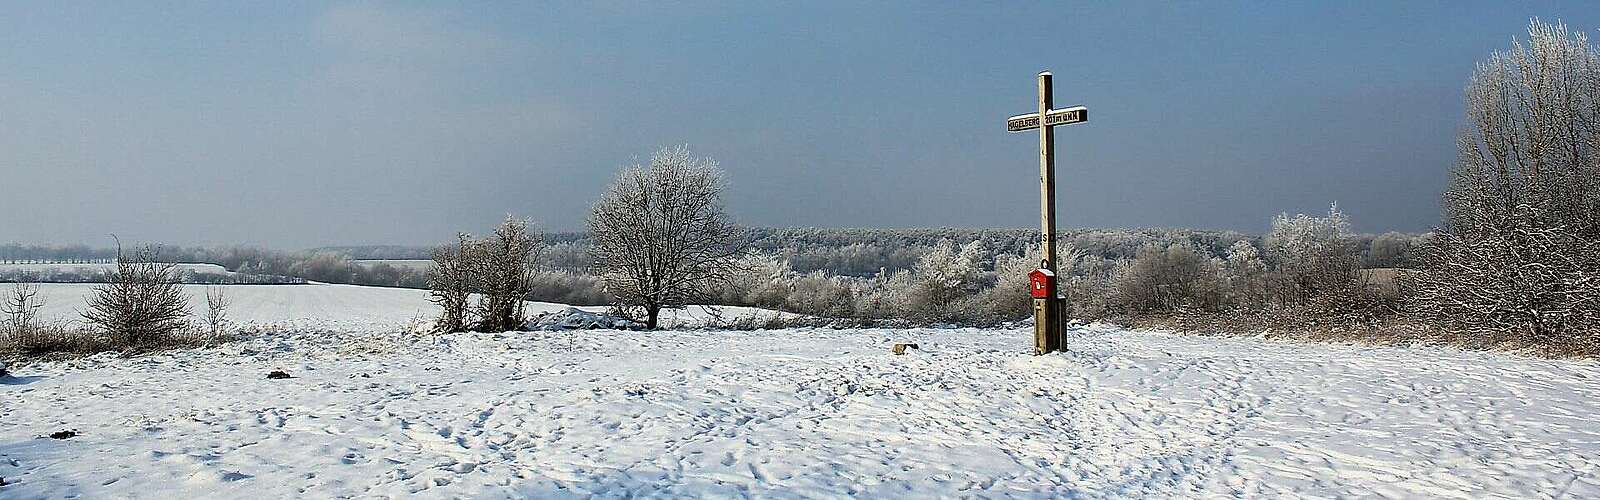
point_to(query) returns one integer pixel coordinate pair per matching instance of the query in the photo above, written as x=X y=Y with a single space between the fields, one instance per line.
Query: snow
x=326 y=306
x=573 y=318
x=417 y=264
x=88 y=269
x=373 y=412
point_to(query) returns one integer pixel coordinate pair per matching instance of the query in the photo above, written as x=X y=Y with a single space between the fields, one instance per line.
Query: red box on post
x=1042 y=283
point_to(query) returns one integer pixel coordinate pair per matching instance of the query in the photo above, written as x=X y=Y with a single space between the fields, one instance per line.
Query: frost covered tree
x=331 y=267
x=1165 y=279
x=761 y=280
x=661 y=235
x=820 y=294
x=1245 y=273
x=1010 y=298
x=1315 y=257
x=1391 y=250
x=943 y=280
x=883 y=295
x=1519 y=250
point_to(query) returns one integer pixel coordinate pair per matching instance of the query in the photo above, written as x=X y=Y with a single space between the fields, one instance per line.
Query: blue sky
x=300 y=124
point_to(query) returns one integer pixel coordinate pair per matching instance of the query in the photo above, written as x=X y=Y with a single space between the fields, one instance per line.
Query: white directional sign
x=1052 y=118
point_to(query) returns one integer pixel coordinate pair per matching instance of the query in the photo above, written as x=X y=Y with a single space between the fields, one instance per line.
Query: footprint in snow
x=217 y=476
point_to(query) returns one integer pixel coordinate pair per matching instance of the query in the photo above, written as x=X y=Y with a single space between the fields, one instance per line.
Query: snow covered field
x=340 y=307
x=790 y=413
x=47 y=269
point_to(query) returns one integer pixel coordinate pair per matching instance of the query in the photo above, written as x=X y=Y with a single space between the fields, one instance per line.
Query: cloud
x=396 y=49
x=404 y=34
x=423 y=77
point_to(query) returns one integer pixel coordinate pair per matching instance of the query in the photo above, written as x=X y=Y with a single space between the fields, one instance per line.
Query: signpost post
x=1047 y=309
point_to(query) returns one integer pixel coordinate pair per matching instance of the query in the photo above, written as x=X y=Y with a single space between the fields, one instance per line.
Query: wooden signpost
x=1047 y=309
x=1055 y=117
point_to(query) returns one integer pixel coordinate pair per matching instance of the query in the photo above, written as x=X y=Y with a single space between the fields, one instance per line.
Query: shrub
x=217 y=303
x=1010 y=299
x=21 y=332
x=450 y=284
x=1316 y=260
x=1087 y=284
x=21 y=308
x=1163 y=279
x=502 y=266
x=760 y=280
x=943 y=282
x=819 y=294
x=54 y=338
x=1245 y=276
x=500 y=270
x=883 y=296
x=143 y=305
x=1391 y=250
x=1529 y=285
x=566 y=287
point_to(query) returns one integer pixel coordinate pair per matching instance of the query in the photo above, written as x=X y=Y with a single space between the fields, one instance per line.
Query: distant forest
x=839 y=252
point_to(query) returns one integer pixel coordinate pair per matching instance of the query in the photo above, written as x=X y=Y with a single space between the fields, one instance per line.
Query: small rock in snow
x=63 y=434
x=230 y=476
x=277 y=374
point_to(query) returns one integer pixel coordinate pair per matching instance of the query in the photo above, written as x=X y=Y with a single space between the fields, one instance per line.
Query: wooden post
x=1047 y=330
x=1048 y=309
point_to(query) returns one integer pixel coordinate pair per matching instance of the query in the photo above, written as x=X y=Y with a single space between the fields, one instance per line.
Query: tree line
x=567 y=264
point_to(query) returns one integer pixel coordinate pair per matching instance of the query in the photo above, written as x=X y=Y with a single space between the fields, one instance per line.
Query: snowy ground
x=56 y=269
x=337 y=307
x=797 y=413
x=50 y=267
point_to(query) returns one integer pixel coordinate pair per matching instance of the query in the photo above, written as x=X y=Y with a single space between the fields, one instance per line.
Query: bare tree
x=661 y=235
x=217 y=303
x=503 y=267
x=22 y=332
x=21 y=308
x=450 y=284
x=143 y=304
x=1520 y=246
